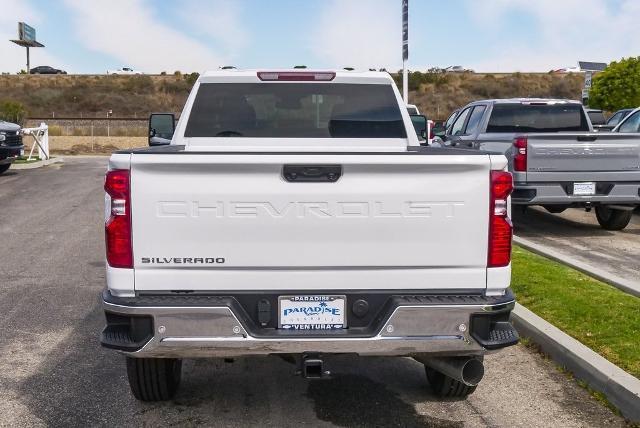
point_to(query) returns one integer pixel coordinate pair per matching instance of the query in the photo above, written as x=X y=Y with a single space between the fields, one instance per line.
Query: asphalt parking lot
x=54 y=373
x=578 y=234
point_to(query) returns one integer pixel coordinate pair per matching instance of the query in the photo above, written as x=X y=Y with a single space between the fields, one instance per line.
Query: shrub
x=191 y=78
x=141 y=84
x=13 y=111
x=618 y=86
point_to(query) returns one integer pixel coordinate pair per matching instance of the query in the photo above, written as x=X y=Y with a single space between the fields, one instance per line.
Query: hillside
x=437 y=95
x=128 y=96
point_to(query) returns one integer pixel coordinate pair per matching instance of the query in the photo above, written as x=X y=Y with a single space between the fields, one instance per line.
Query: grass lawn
x=23 y=159
x=598 y=315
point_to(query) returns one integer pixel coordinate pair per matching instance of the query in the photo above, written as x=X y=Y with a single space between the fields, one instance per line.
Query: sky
x=83 y=36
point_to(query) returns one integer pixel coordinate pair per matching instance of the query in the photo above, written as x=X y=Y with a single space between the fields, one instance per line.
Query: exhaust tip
x=472 y=372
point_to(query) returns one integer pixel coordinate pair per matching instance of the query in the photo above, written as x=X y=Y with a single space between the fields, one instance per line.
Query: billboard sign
x=405 y=30
x=26 y=32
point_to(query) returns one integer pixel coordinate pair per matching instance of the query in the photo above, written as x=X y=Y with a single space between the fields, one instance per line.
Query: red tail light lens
x=520 y=158
x=500 y=227
x=118 y=225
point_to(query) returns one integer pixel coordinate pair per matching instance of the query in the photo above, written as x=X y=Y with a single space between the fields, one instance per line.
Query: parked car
x=556 y=158
x=596 y=116
x=630 y=123
x=568 y=70
x=416 y=117
x=305 y=220
x=440 y=128
x=457 y=69
x=124 y=70
x=412 y=109
x=598 y=120
x=10 y=144
x=617 y=117
x=45 y=69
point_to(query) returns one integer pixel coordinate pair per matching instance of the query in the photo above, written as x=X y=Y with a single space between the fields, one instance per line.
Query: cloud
x=14 y=57
x=128 y=31
x=224 y=26
x=357 y=33
x=565 y=31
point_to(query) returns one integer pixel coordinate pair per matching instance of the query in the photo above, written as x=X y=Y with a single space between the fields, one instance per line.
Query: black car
x=45 y=69
x=10 y=144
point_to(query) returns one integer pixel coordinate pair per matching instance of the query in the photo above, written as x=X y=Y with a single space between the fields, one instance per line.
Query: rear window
x=597 y=117
x=537 y=118
x=295 y=110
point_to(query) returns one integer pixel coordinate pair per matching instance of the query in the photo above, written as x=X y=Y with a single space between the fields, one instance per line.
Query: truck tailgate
x=232 y=222
x=590 y=152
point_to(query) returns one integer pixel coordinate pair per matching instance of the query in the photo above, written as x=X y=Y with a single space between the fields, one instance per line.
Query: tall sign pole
x=405 y=50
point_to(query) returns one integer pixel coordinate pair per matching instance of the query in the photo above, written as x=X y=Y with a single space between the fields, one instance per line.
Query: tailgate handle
x=587 y=137
x=312 y=173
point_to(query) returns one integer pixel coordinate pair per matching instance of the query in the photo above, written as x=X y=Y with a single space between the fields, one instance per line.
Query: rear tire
x=447 y=387
x=611 y=219
x=154 y=379
x=4 y=168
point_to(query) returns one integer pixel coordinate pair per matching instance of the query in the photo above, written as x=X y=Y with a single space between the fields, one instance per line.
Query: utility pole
x=405 y=50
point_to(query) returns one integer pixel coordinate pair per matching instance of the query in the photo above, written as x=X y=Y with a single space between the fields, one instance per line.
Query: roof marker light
x=292 y=76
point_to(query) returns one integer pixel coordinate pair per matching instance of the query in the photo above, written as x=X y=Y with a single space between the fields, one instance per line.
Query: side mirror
x=419 y=122
x=161 y=128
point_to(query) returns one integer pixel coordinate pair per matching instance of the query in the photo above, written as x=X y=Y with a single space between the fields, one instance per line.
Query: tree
x=618 y=86
x=12 y=111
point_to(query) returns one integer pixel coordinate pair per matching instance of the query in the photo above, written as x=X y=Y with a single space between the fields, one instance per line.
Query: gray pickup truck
x=556 y=158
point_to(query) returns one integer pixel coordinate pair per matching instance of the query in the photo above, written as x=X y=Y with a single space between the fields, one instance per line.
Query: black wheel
x=154 y=379
x=555 y=209
x=5 y=167
x=447 y=387
x=612 y=219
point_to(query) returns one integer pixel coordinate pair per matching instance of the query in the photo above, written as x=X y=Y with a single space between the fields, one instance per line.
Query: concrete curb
x=38 y=164
x=620 y=388
x=625 y=285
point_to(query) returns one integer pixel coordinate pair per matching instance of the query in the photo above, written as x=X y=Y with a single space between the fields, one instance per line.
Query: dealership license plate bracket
x=584 y=189
x=312 y=312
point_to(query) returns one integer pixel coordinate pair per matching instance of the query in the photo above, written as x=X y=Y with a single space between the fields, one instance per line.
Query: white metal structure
x=40 y=140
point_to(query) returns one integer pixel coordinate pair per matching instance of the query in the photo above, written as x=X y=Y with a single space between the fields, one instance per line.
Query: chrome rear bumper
x=216 y=331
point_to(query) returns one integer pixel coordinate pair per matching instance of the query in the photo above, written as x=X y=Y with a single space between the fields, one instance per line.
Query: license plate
x=312 y=312
x=584 y=189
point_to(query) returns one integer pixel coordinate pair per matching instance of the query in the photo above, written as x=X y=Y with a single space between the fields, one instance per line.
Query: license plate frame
x=587 y=188
x=328 y=320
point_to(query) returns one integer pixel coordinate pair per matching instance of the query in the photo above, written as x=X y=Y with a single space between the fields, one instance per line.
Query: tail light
x=430 y=130
x=520 y=158
x=292 y=76
x=118 y=224
x=500 y=227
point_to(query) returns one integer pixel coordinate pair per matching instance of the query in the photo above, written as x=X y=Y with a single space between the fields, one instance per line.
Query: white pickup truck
x=295 y=213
